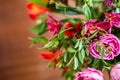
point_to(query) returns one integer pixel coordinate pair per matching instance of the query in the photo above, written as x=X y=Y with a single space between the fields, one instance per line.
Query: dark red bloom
x=70 y=32
x=65 y=69
x=72 y=29
x=35 y=10
x=50 y=55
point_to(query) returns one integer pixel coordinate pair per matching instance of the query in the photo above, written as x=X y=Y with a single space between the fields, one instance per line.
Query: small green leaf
x=65 y=57
x=61 y=34
x=87 y=12
x=75 y=63
x=102 y=52
x=39 y=39
x=80 y=57
x=51 y=43
x=39 y=29
x=83 y=53
x=51 y=64
x=71 y=50
x=80 y=45
x=77 y=44
x=41 y=2
x=87 y=52
x=95 y=63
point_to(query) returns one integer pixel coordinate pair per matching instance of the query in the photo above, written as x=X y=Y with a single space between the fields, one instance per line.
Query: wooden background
x=17 y=60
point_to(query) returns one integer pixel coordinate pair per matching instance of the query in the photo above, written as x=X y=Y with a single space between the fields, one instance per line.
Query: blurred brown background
x=17 y=60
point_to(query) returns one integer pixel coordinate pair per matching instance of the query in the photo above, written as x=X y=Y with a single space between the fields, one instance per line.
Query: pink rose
x=115 y=72
x=89 y=74
x=109 y=43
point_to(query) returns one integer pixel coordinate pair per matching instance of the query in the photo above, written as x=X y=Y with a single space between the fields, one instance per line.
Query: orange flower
x=36 y=10
x=50 y=55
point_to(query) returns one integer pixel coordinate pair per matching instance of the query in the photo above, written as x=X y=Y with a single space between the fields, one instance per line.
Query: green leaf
x=39 y=39
x=87 y=52
x=41 y=2
x=71 y=50
x=39 y=29
x=75 y=63
x=95 y=63
x=102 y=52
x=77 y=44
x=65 y=57
x=90 y=3
x=80 y=57
x=79 y=2
x=61 y=34
x=51 y=43
x=51 y=64
x=80 y=45
x=87 y=12
x=83 y=53
x=68 y=10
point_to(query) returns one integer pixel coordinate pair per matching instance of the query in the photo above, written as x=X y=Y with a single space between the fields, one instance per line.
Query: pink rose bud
x=89 y=74
x=115 y=72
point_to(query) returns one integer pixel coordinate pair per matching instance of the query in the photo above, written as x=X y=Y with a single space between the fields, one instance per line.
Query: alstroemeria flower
x=110 y=44
x=104 y=25
x=113 y=19
x=50 y=55
x=35 y=10
x=89 y=74
x=115 y=72
x=91 y=26
x=109 y=3
x=54 y=25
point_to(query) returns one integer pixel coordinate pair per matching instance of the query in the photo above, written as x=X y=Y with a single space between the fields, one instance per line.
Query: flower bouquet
x=83 y=47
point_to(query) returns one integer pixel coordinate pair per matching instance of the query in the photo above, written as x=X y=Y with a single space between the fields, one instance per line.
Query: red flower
x=50 y=55
x=72 y=29
x=65 y=69
x=36 y=10
x=69 y=32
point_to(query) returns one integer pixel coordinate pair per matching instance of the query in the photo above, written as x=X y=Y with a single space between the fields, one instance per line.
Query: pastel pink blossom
x=115 y=72
x=89 y=74
x=110 y=44
x=54 y=25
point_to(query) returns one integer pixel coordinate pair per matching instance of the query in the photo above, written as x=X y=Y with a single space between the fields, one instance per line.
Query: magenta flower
x=113 y=19
x=89 y=25
x=115 y=72
x=109 y=3
x=89 y=74
x=54 y=25
x=104 y=25
x=110 y=44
